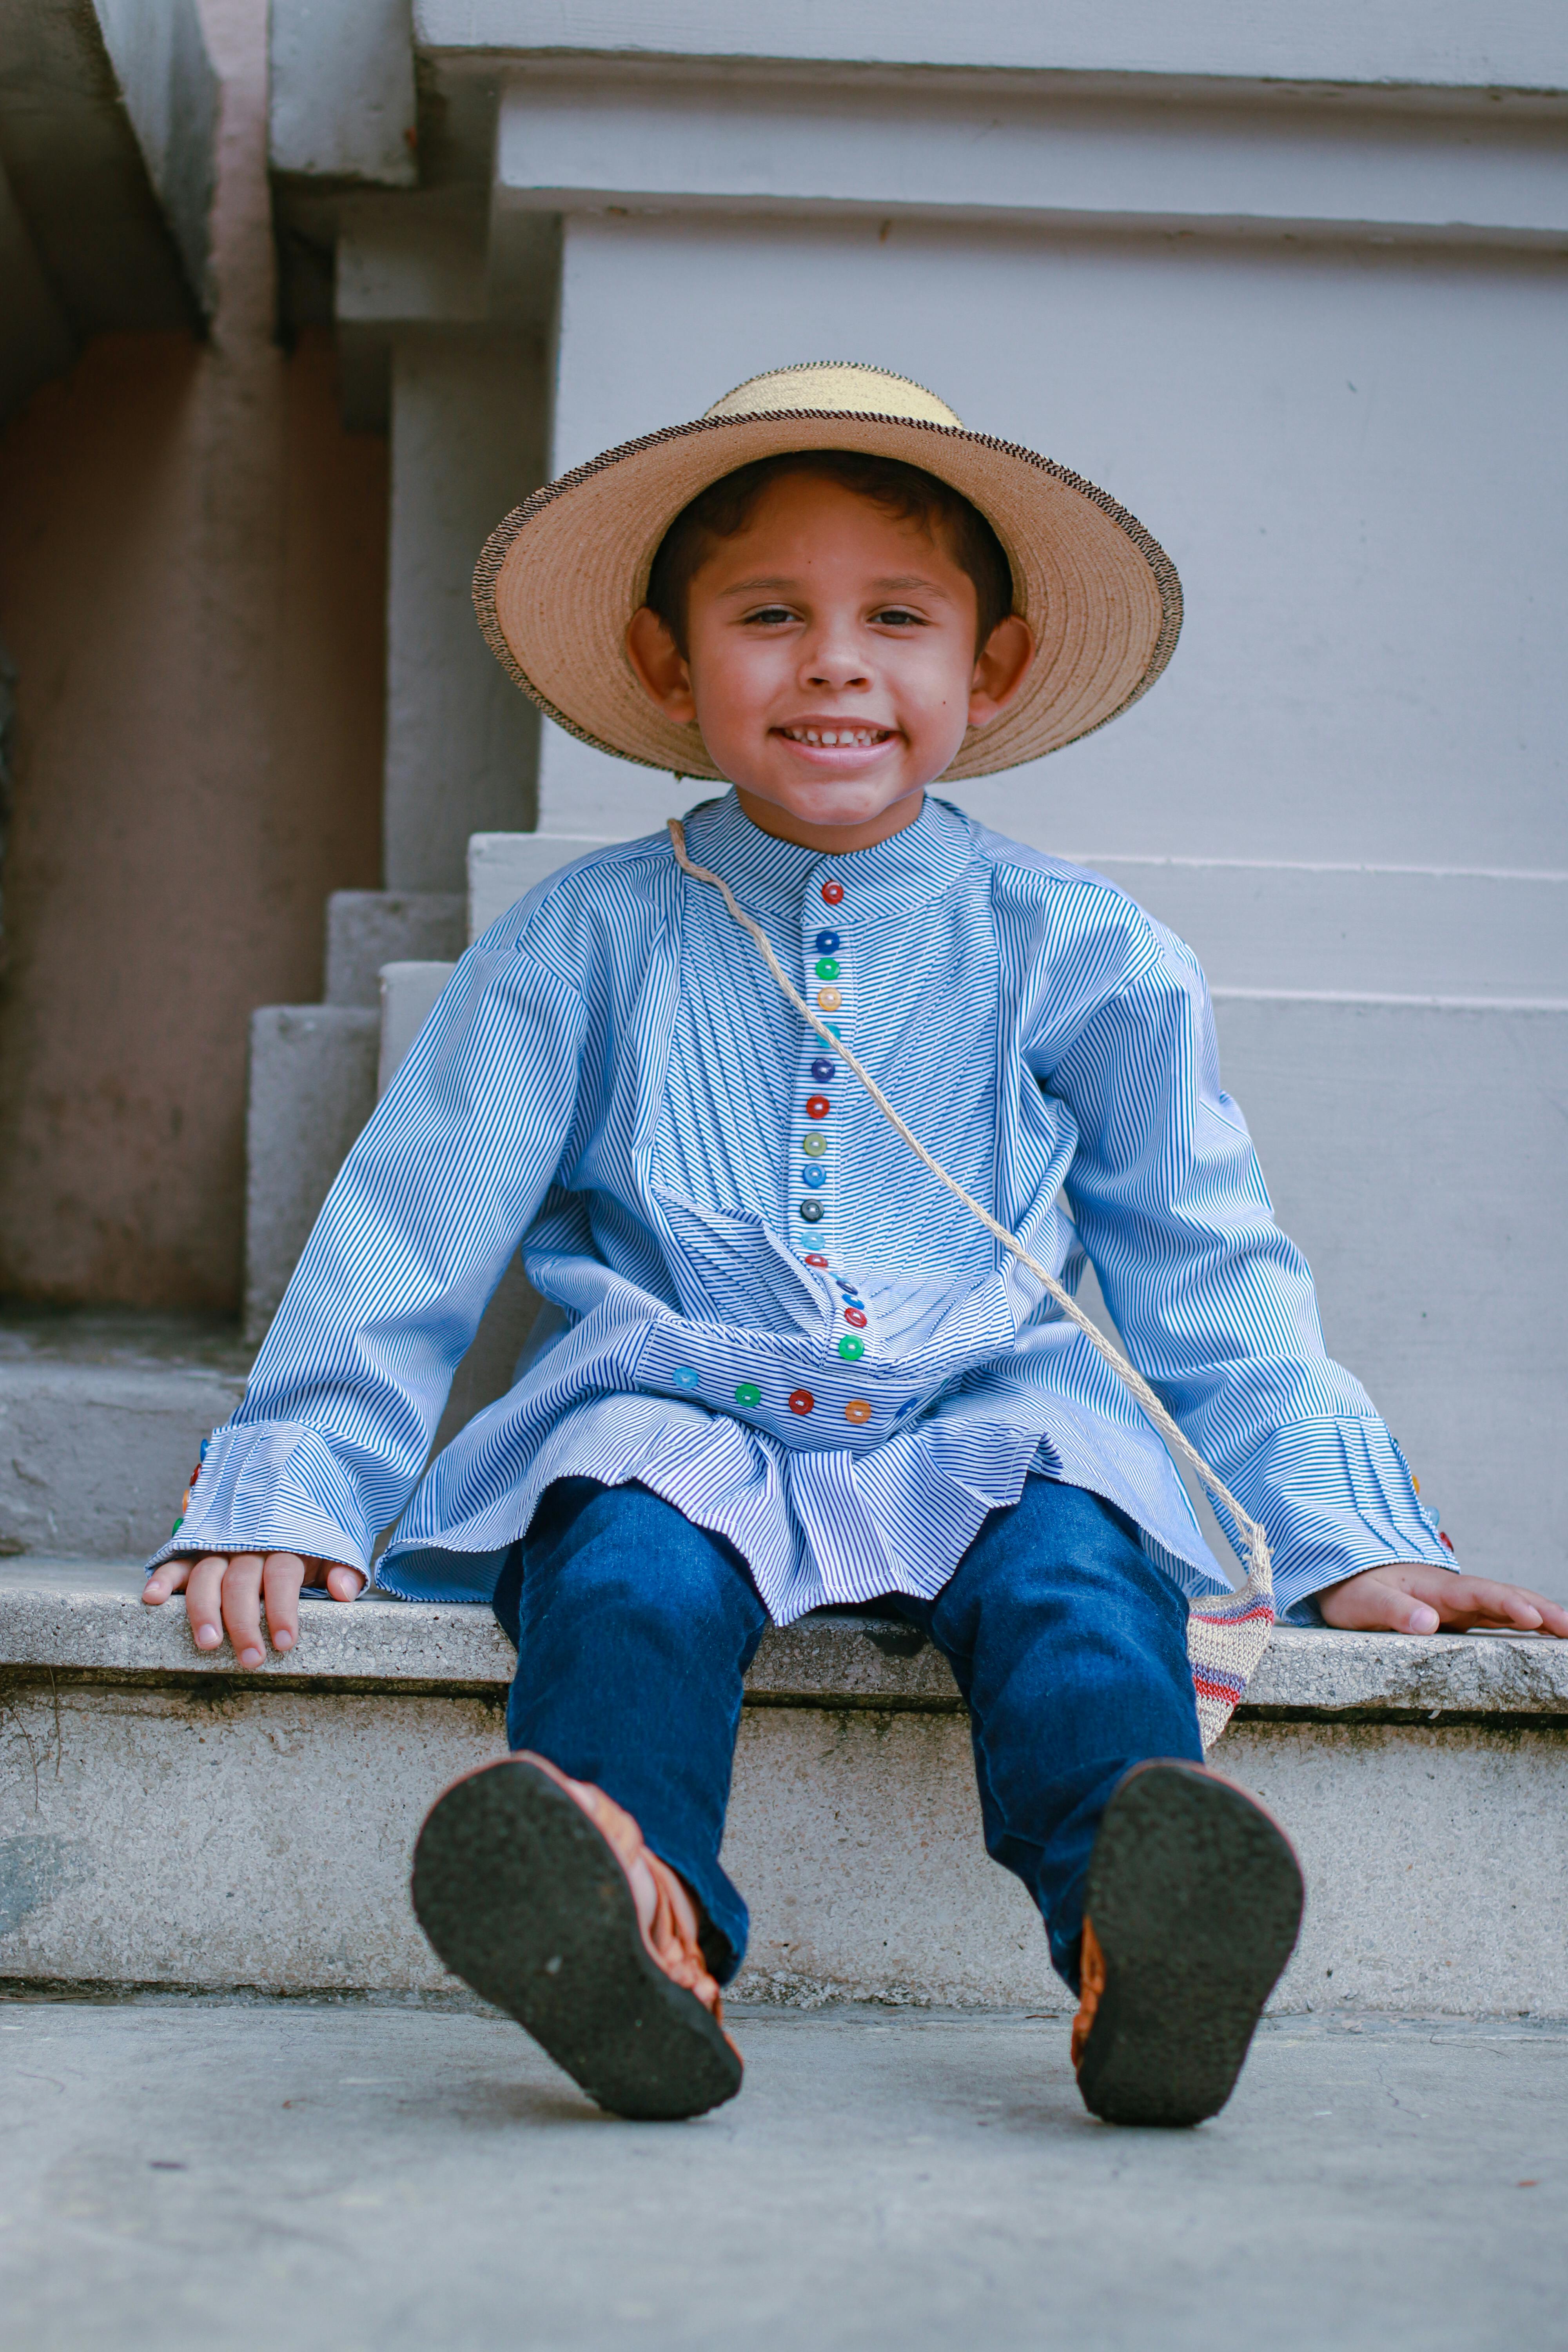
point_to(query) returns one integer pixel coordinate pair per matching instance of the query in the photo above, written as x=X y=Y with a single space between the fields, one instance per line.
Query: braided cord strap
x=1226 y=1636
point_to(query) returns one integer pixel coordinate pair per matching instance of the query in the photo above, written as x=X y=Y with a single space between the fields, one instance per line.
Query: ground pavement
x=231 y=2174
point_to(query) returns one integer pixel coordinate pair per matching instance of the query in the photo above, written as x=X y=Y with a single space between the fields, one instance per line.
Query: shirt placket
x=818 y=1171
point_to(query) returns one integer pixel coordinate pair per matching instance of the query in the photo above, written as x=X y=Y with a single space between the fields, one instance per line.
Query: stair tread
x=86 y=1615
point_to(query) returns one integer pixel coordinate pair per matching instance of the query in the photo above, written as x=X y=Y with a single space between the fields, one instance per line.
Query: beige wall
x=192 y=586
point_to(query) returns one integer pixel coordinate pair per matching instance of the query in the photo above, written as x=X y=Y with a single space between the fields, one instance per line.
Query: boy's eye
x=899 y=616
x=770 y=613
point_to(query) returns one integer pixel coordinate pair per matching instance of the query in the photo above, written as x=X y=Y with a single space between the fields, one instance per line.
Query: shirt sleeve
x=422 y=1220
x=1215 y=1304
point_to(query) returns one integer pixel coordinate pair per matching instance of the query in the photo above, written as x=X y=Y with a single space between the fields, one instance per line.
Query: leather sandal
x=1191 y=1908
x=524 y=1897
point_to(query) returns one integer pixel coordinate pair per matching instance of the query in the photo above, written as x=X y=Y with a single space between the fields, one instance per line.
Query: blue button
x=812 y=1211
x=814 y=1176
x=828 y=943
x=821 y=1069
x=858 y=1304
x=686 y=1378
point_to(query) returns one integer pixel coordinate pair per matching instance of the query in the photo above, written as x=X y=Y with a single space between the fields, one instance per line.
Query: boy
x=785 y=1366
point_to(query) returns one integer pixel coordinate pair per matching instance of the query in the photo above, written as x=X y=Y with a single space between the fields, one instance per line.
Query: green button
x=748 y=1396
x=827 y=969
x=851 y=1349
x=813 y=1146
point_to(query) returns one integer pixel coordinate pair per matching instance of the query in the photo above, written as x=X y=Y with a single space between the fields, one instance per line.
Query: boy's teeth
x=824 y=738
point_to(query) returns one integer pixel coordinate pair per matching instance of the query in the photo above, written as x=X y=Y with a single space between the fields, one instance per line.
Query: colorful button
x=852 y=1314
x=832 y=894
x=175 y=1529
x=834 y=1026
x=816 y=1105
x=851 y=1349
x=814 y=1257
x=821 y=1069
x=829 y=999
x=827 y=967
x=801 y=1401
x=686 y=1378
x=814 y=1146
x=858 y=1411
x=812 y=1211
x=748 y=1395
x=828 y=943
x=814 y=1178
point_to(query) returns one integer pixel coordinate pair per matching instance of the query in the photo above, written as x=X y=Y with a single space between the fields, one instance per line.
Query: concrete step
x=366 y=928
x=164 y=1820
x=101 y=1416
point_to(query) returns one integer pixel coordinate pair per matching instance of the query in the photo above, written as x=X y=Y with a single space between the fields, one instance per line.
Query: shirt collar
x=893 y=879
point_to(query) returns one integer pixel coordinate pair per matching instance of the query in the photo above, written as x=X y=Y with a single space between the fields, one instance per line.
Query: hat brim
x=559 y=579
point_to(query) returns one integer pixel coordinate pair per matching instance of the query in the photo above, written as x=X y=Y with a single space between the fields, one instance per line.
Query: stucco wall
x=192 y=585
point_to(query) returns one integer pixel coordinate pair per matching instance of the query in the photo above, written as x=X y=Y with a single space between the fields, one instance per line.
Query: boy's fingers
x=241 y=1598
x=203 y=1589
x=281 y=1578
x=170 y=1577
x=344 y=1583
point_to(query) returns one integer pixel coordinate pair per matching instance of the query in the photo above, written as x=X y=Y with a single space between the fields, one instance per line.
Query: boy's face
x=830 y=664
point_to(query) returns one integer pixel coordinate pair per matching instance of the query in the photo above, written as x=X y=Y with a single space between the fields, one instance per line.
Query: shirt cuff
x=272 y=1487
x=1335 y=1498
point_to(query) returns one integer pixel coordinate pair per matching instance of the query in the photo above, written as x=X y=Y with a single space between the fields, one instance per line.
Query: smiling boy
x=782 y=1365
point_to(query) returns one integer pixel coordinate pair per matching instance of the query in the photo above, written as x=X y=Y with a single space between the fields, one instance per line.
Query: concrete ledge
x=164 y=1820
x=85 y=1619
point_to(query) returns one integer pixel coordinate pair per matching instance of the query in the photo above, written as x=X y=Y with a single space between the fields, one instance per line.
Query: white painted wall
x=1509 y=44
x=1355 y=459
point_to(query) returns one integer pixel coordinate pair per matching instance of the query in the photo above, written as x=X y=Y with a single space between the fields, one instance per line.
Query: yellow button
x=828 y=1000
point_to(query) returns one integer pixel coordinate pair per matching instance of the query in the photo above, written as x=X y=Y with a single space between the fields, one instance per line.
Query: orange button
x=828 y=1000
x=858 y=1411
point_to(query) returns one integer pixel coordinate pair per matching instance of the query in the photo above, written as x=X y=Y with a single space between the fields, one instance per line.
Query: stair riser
x=263 y=1838
x=94 y=1458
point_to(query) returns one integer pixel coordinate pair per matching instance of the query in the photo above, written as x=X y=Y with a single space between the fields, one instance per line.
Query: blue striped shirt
x=759 y=1303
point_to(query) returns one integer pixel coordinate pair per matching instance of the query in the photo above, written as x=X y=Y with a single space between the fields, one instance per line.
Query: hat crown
x=848 y=386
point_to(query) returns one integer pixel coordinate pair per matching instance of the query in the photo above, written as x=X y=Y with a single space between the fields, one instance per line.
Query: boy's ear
x=1001 y=669
x=660 y=666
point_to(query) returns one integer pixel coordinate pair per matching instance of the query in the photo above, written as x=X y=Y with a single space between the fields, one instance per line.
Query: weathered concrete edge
x=86 y=1623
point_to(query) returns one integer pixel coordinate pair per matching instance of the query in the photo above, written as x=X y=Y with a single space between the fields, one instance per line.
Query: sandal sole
x=1196 y=1896
x=523 y=1898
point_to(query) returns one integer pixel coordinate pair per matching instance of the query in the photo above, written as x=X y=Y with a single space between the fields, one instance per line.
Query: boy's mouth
x=841 y=738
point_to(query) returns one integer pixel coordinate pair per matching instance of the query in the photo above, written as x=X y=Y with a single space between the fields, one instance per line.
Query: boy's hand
x=1408 y=1598
x=231 y=1587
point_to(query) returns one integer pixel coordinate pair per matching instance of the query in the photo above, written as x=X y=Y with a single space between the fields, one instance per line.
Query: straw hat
x=559 y=579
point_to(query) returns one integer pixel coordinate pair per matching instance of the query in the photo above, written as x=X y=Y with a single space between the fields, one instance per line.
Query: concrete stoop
x=164 y=1820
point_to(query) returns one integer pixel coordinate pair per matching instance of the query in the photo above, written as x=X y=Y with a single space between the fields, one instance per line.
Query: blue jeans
x=635 y=1630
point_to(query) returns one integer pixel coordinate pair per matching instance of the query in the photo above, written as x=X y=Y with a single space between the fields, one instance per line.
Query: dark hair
x=908 y=492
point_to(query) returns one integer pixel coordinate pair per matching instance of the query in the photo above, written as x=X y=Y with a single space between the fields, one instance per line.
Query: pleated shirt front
x=758 y=1302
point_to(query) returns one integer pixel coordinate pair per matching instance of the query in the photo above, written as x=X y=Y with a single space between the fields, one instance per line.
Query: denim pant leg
x=1071 y=1647
x=634 y=1631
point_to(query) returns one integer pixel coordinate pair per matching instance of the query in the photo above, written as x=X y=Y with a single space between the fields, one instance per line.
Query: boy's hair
x=905 y=492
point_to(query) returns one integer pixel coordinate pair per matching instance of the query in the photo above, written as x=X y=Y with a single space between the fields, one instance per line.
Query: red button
x=813 y=1258
x=831 y=892
x=801 y=1401
x=853 y=1315
x=817 y=1107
